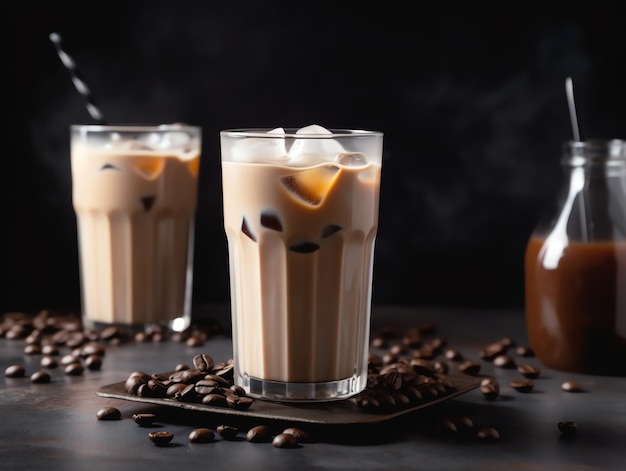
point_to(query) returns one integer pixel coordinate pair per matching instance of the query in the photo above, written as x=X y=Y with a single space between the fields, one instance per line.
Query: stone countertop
x=54 y=426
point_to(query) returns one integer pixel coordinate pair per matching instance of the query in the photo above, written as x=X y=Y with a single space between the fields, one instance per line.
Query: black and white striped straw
x=80 y=86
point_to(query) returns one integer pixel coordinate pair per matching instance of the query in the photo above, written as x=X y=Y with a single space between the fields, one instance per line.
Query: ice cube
x=313 y=150
x=311 y=186
x=351 y=159
x=118 y=143
x=262 y=149
x=148 y=167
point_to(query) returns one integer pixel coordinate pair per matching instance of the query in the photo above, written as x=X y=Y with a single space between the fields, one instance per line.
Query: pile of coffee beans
x=207 y=382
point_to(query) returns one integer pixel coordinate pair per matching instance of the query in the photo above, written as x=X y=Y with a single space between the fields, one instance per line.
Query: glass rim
x=132 y=128
x=290 y=133
x=611 y=151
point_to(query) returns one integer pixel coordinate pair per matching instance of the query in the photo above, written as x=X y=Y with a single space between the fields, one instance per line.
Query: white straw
x=569 y=91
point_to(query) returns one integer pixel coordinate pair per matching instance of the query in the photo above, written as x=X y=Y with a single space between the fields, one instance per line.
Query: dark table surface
x=54 y=426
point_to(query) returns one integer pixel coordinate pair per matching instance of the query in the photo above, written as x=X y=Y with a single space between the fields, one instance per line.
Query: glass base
x=301 y=392
x=176 y=325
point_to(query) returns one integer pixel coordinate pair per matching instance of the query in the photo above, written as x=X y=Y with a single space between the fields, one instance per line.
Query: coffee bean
x=74 y=369
x=93 y=362
x=258 y=434
x=301 y=435
x=32 y=349
x=493 y=350
x=15 y=371
x=504 y=361
x=206 y=386
x=238 y=390
x=568 y=429
x=133 y=382
x=453 y=355
x=238 y=402
x=379 y=342
x=227 y=432
x=528 y=371
x=522 y=385
x=92 y=348
x=40 y=377
x=48 y=361
x=203 y=362
x=181 y=367
x=469 y=368
x=195 y=341
x=525 y=351
x=144 y=420
x=161 y=438
x=572 y=386
x=490 y=391
x=174 y=389
x=284 y=440
x=214 y=400
x=202 y=435
x=69 y=359
x=50 y=350
x=108 y=413
x=488 y=434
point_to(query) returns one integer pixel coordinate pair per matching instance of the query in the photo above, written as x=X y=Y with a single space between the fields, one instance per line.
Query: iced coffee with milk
x=134 y=191
x=301 y=215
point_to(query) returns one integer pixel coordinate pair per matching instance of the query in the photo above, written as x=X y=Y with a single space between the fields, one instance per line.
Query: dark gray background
x=471 y=100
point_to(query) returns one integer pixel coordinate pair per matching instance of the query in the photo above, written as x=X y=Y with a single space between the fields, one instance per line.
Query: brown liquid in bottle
x=576 y=311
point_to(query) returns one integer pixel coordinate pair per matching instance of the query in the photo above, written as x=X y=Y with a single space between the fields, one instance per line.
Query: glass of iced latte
x=134 y=191
x=301 y=215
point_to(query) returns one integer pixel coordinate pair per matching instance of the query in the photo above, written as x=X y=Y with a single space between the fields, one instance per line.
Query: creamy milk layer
x=135 y=212
x=301 y=244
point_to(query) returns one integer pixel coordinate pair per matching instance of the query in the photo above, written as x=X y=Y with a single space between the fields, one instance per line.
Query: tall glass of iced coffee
x=301 y=215
x=134 y=191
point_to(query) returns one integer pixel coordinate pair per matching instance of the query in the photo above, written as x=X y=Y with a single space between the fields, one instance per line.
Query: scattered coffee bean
x=202 y=435
x=195 y=341
x=108 y=413
x=522 y=385
x=258 y=434
x=40 y=377
x=528 y=371
x=453 y=355
x=469 y=368
x=284 y=440
x=74 y=369
x=490 y=391
x=504 y=361
x=50 y=349
x=301 y=435
x=93 y=362
x=144 y=420
x=48 y=361
x=32 y=349
x=493 y=350
x=15 y=371
x=488 y=434
x=379 y=342
x=524 y=351
x=227 y=432
x=161 y=438
x=69 y=359
x=568 y=429
x=572 y=386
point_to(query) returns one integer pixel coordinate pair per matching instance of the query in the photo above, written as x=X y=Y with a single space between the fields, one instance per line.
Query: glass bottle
x=575 y=265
